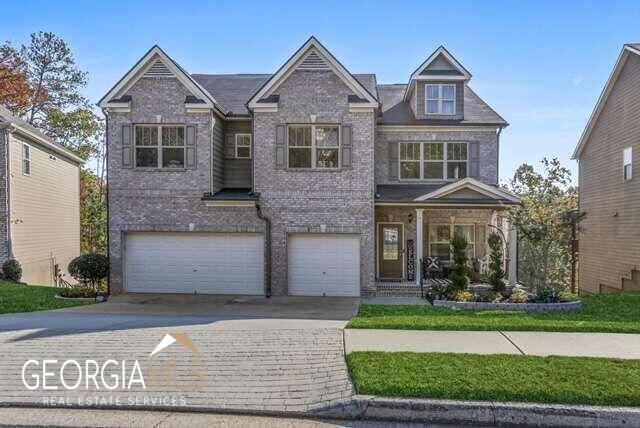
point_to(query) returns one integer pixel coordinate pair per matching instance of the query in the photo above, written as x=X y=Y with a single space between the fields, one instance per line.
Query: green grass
x=519 y=378
x=614 y=313
x=25 y=298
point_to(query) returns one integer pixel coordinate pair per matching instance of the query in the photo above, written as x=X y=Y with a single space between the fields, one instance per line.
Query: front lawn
x=26 y=298
x=561 y=380
x=613 y=313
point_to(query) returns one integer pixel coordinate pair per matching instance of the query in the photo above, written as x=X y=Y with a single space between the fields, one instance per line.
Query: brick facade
x=300 y=201
x=162 y=200
x=487 y=143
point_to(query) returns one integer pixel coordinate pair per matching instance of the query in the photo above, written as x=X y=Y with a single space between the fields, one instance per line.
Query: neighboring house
x=608 y=153
x=308 y=181
x=39 y=201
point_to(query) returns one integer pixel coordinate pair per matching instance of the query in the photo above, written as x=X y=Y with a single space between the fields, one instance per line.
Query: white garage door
x=206 y=263
x=324 y=265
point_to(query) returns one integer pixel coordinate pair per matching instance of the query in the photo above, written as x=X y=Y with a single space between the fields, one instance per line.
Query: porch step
x=397 y=289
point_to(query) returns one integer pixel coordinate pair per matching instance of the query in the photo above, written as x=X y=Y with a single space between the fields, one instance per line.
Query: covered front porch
x=412 y=225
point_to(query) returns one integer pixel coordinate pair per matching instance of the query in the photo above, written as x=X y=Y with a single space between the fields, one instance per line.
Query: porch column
x=419 y=243
x=513 y=256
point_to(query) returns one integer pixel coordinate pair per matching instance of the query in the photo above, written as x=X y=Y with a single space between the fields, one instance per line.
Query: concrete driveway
x=253 y=354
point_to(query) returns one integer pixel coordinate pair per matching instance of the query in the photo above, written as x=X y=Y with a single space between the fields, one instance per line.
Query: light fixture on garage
x=410 y=216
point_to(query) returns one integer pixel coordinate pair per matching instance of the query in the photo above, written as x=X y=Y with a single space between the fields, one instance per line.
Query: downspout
x=106 y=148
x=7 y=153
x=267 y=227
x=498 y=154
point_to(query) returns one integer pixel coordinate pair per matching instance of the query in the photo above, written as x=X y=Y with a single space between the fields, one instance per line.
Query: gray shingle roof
x=409 y=192
x=233 y=91
x=635 y=45
x=397 y=112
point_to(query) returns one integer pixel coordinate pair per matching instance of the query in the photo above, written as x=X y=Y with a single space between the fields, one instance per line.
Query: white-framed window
x=314 y=146
x=440 y=98
x=26 y=159
x=160 y=146
x=627 y=161
x=243 y=146
x=440 y=239
x=433 y=160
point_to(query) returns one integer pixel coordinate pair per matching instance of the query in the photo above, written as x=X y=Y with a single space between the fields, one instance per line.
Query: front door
x=390 y=251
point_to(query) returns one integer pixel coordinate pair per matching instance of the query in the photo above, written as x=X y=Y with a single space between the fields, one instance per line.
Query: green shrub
x=89 y=269
x=463 y=296
x=12 y=270
x=496 y=270
x=519 y=296
x=78 y=291
x=549 y=294
x=459 y=269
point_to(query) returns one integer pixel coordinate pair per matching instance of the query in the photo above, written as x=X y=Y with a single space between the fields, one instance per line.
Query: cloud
x=577 y=80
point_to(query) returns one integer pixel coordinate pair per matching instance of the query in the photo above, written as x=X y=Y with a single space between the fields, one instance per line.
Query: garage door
x=324 y=265
x=206 y=263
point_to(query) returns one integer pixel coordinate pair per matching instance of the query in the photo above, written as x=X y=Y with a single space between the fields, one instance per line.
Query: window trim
x=250 y=145
x=422 y=161
x=440 y=99
x=29 y=159
x=313 y=146
x=626 y=164
x=159 y=145
x=451 y=233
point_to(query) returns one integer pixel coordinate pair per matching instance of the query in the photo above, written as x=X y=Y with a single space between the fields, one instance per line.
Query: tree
x=41 y=83
x=544 y=236
x=54 y=77
x=496 y=269
x=459 y=270
x=15 y=92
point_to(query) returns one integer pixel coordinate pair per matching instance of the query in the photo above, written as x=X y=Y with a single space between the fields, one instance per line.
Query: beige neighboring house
x=39 y=201
x=608 y=154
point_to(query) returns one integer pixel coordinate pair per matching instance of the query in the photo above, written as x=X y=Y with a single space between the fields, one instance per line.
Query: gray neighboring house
x=39 y=201
x=609 y=184
x=310 y=181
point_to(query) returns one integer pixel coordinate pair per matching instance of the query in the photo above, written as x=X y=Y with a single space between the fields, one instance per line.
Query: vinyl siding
x=45 y=212
x=237 y=172
x=610 y=236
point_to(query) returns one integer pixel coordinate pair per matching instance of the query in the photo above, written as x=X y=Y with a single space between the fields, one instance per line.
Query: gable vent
x=158 y=69
x=313 y=61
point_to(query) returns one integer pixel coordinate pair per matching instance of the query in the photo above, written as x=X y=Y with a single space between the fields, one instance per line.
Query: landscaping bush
x=12 y=270
x=89 y=269
x=549 y=294
x=519 y=296
x=463 y=296
x=78 y=291
x=496 y=269
x=459 y=269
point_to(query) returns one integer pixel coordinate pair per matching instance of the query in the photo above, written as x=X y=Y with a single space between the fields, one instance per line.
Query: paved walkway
x=608 y=345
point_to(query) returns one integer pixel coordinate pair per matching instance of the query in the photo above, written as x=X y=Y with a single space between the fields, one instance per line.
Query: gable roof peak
x=457 y=72
x=331 y=62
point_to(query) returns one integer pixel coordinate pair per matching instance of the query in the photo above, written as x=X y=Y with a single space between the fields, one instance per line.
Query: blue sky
x=540 y=64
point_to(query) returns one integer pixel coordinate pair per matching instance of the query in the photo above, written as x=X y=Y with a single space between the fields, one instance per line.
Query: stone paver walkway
x=607 y=345
x=246 y=364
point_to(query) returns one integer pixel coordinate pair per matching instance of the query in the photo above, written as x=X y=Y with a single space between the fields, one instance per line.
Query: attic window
x=440 y=99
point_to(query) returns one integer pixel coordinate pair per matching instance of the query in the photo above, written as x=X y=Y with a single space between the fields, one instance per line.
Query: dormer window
x=440 y=98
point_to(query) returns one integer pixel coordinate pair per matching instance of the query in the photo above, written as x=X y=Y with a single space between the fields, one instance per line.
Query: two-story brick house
x=308 y=181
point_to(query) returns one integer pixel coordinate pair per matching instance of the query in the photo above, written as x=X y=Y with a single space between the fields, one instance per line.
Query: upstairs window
x=433 y=161
x=440 y=99
x=314 y=146
x=26 y=159
x=243 y=146
x=627 y=158
x=159 y=146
